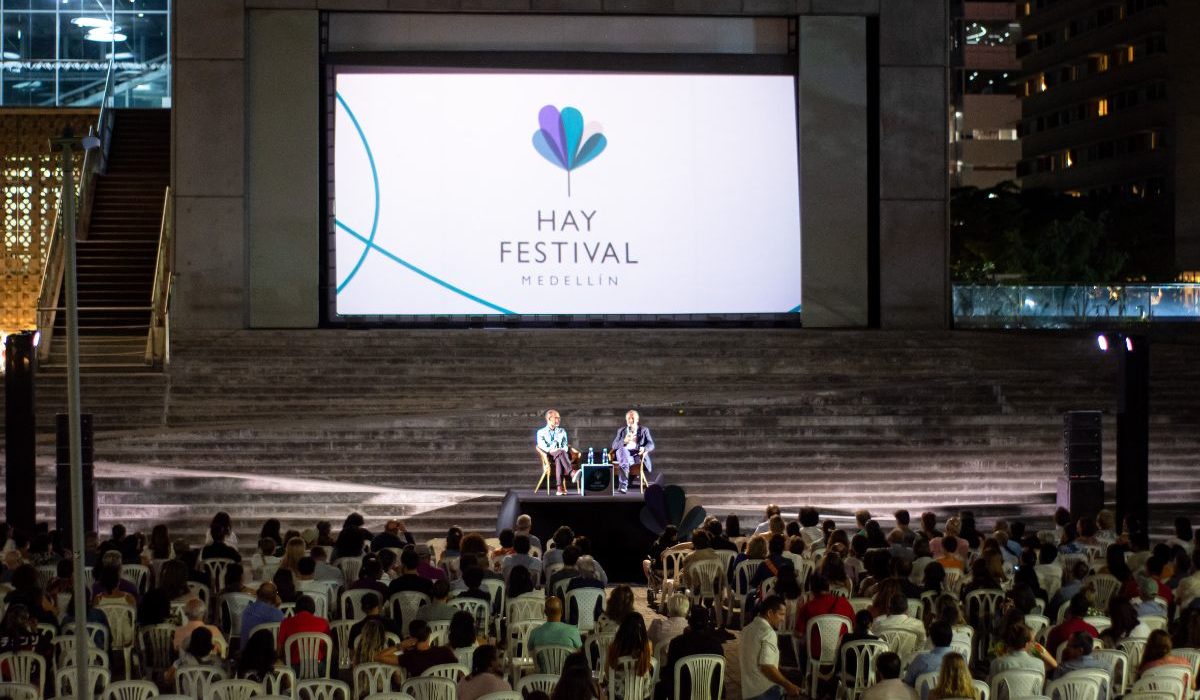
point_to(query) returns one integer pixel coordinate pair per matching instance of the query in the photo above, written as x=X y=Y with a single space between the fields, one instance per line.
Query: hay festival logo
x=561 y=139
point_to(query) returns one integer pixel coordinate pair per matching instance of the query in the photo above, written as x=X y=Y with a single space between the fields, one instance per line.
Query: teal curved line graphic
x=375 y=181
x=370 y=245
x=794 y=310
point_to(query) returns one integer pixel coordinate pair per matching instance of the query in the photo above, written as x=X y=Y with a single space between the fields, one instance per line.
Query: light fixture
x=37 y=338
x=105 y=34
x=10 y=55
x=1102 y=342
x=91 y=22
x=1128 y=344
x=122 y=56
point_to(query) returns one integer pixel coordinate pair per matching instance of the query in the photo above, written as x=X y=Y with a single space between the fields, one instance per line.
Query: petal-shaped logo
x=563 y=140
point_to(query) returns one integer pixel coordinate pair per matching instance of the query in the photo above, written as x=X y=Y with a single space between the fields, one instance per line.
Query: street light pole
x=65 y=146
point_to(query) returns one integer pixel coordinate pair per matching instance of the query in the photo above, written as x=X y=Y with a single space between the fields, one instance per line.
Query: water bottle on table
x=591 y=456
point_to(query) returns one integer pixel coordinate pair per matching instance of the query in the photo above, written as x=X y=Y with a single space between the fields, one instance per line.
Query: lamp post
x=65 y=146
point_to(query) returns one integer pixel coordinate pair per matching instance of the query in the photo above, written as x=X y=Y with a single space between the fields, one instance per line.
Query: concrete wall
x=1183 y=91
x=246 y=196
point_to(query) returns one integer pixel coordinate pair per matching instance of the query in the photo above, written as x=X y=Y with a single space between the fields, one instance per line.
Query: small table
x=597 y=477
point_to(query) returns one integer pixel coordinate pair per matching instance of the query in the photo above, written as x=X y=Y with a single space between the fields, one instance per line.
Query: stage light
x=1102 y=342
x=1128 y=344
x=37 y=338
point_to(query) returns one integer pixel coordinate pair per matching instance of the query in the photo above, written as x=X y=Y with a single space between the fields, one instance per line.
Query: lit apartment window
x=1102 y=63
x=1102 y=107
x=1069 y=160
x=1042 y=83
x=1129 y=54
x=1154 y=140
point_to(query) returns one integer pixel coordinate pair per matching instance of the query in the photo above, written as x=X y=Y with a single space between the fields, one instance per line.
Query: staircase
x=116 y=261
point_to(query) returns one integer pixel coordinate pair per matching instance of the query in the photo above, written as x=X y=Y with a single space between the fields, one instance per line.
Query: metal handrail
x=94 y=161
x=157 y=345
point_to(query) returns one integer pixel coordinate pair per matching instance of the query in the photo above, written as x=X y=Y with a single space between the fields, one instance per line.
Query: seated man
x=888 y=685
x=1078 y=655
x=521 y=557
x=631 y=444
x=305 y=620
x=417 y=654
x=439 y=607
x=554 y=632
x=897 y=618
x=940 y=634
x=552 y=442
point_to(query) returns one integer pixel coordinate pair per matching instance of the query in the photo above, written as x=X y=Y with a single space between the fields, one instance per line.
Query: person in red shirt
x=1072 y=624
x=305 y=620
x=822 y=603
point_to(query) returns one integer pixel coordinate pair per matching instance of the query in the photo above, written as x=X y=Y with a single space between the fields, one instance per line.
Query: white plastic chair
x=625 y=683
x=402 y=606
x=25 y=667
x=202 y=592
x=1075 y=686
x=503 y=695
x=1016 y=683
x=582 y=606
x=322 y=689
x=1104 y=587
x=350 y=602
x=64 y=680
x=672 y=568
x=64 y=653
x=860 y=655
x=138 y=575
x=279 y=680
x=372 y=677
x=516 y=648
x=194 y=681
x=1149 y=695
x=455 y=672
x=704 y=671
x=341 y=638
x=544 y=682
x=1117 y=663
x=740 y=590
x=1154 y=622
x=902 y=641
x=309 y=647
x=1133 y=648
x=1039 y=625
x=390 y=696
x=272 y=627
x=155 y=641
x=829 y=629
x=350 y=566
x=481 y=610
x=1171 y=678
x=527 y=607
x=129 y=690
x=431 y=688
x=19 y=691
x=980 y=606
x=550 y=659
x=216 y=573
x=122 y=625
x=707 y=584
x=232 y=606
x=234 y=689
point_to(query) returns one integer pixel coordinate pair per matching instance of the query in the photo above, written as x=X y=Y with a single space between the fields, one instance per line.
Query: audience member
x=439 y=608
x=954 y=680
x=305 y=620
x=372 y=609
x=554 y=632
x=198 y=652
x=409 y=578
x=194 y=611
x=698 y=637
x=941 y=634
x=417 y=654
x=1074 y=622
x=759 y=655
x=352 y=537
x=888 y=685
x=663 y=630
x=487 y=675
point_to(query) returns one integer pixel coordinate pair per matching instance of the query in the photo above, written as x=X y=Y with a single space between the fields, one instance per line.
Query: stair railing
x=94 y=161
x=158 y=339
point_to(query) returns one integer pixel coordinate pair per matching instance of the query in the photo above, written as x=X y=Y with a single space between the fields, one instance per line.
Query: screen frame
x=547 y=62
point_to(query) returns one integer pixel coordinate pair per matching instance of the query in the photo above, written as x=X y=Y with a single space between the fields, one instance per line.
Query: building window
x=1102 y=107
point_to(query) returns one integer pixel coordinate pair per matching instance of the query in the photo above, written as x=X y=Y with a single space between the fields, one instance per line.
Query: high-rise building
x=985 y=108
x=1105 y=106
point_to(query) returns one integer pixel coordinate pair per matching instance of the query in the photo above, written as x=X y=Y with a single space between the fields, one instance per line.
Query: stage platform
x=611 y=522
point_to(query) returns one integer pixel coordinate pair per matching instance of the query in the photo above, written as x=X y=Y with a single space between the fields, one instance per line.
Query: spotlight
x=1102 y=342
x=1128 y=344
x=37 y=338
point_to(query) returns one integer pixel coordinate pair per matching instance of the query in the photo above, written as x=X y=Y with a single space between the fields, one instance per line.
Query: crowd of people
x=938 y=606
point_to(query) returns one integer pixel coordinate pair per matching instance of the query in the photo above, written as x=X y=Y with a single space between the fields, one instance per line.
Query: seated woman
x=1158 y=653
x=1021 y=652
x=258 y=657
x=486 y=675
x=371 y=647
x=199 y=652
x=618 y=607
x=954 y=680
x=234 y=577
x=462 y=638
x=631 y=641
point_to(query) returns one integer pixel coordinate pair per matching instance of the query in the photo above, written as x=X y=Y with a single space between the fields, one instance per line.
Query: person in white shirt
x=759 y=655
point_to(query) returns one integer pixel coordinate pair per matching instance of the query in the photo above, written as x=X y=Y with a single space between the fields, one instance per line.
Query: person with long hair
x=461 y=636
x=26 y=591
x=159 y=547
x=630 y=641
x=257 y=659
x=1021 y=652
x=576 y=681
x=272 y=528
x=520 y=582
x=352 y=537
x=293 y=552
x=487 y=675
x=1158 y=653
x=371 y=645
x=617 y=608
x=221 y=522
x=954 y=679
x=285 y=584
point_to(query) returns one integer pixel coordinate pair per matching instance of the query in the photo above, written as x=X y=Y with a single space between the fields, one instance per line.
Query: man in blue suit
x=630 y=444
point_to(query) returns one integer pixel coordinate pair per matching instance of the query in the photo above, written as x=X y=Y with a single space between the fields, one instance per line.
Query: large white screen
x=451 y=199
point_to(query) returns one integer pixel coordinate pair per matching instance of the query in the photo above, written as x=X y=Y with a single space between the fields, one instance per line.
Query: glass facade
x=56 y=52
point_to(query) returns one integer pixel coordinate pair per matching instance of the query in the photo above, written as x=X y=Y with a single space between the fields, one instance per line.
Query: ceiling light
x=90 y=22
x=106 y=34
x=122 y=56
x=10 y=55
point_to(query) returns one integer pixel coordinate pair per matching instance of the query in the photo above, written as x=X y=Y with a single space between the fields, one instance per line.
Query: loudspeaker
x=62 y=490
x=20 y=431
x=1082 y=497
x=1082 y=448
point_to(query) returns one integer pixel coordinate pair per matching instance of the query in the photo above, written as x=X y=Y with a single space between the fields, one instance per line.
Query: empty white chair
x=281 y=681
x=129 y=690
x=193 y=681
x=1133 y=648
x=582 y=606
x=705 y=673
x=431 y=688
x=550 y=659
x=154 y=641
x=232 y=606
x=1171 y=678
x=138 y=575
x=350 y=566
x=234 y=689
x=902 y=641
x=322 y=689
x=122 y=625
x=517 y=647
x=314 y=651
x=1117 y=664
x=341 y=638
x=544 y=682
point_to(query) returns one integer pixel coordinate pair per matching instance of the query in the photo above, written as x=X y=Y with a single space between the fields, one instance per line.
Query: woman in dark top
x=19 y=632
x=352 y=537
x=257 y=659
x=27 y=592
x=155 y=606
x=271 y=528
x=934 y=577
x=286 y=585
x=520 y=582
